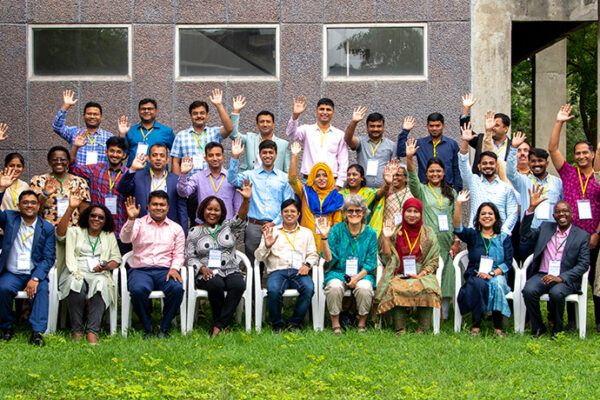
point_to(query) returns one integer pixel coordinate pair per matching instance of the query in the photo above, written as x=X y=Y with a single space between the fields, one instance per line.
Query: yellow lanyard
x=14 y=193
x=213 y=183
x=539 y=186
x=147 y=133
x=373 y=150
x=159 y=183
x=411 y=247
x=583 y=188
x=439 y=199
x=198 y=139
x=323 y=135
x=111 y=183
x=434 y=147
x=504 y=145
x=288 y=239
x=92 y=141
x=23 y=237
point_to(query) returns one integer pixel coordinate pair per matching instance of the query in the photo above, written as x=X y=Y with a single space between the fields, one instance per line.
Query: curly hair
x=84 y=218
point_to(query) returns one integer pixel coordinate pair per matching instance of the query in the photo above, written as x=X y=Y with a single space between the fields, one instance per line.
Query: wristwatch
x=492 y=274
x=308 y=265
x=35 y=279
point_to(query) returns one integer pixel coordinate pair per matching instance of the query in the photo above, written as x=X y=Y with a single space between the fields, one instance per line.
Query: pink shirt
x=154 y=245
x=328 y=148
x=572 y=193
x=554 y=249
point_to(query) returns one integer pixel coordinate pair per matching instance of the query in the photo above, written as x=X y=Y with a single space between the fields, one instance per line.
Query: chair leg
x=581 y=318
x=191 y=311
x=437 y=316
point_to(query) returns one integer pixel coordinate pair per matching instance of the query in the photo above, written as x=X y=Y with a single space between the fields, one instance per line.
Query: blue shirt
x=158 y=134
x=22 y=245
x=269 y=190
x=189 y=143
x=551 y=186
x=446 y=150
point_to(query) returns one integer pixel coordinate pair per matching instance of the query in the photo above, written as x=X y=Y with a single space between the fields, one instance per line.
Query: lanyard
x=201 y=136
x=92 y=142
x=288 y=239
x=539 y=186
x=147 y=133
x=353 y=241
x=214 y=234
x=398 y=197
x=23 y=237
x=502 y=147
x=323 y=135
x=434 y=146
x=159 y=183
x=440 y=199
x=556 y=246
x=93 y=246
x=487 y=246
x=587 y=180
x=60 y=181
x=111 y=183
x=373 y=150
x=213 y=183
x=14 y=193
x=412 y=246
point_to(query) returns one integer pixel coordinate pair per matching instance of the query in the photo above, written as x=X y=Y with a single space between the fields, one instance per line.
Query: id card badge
x=542 y=211
x=317 y=230
x=554 y=268
x=486 y=264
x=584 y=208
x=91 y=157
x=214 y=258
x=111 y=203
x=443 y=222
x=61 y=206
x=410 y=265
x=296 y=259
x=397 y=219
x=23 y=262
x=372 y=167
x=351 y=266
x=142 y=148
x=198 y=161
x=92 y=263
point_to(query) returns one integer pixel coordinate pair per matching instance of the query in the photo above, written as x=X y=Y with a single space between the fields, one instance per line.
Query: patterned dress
x=69 y=183
x=394 y=201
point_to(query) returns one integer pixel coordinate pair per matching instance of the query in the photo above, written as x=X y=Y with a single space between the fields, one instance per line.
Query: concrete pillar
x=550 y=93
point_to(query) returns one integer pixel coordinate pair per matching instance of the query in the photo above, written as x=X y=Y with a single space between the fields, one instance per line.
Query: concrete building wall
x=29 y=106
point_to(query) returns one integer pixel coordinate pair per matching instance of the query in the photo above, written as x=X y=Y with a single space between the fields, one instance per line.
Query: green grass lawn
x=305 y=365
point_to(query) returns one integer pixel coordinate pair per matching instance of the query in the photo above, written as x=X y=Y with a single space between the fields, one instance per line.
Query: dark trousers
x=142 y=281
x=10 y=284
x=192 y=208
x=76 y=305
x=252 y=240
x=534 y=289
x=124 y=248
x=223 y=307
x=277 y=283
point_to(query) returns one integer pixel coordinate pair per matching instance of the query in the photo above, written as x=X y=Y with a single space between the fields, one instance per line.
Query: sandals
x=337 y=330
x=474 y=332
x=361 y=329
x=500 y=334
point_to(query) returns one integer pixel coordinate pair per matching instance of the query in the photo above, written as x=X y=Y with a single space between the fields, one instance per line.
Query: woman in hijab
x=410 y=253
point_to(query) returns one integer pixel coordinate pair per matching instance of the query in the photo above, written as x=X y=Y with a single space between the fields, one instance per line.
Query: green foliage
x=521 y=96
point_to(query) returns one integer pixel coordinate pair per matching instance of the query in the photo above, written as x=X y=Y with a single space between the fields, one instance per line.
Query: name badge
x=443 y=222
x=142 y=148
x=296 y=259
x=317 y=230
x=542 y=211
x=397 y=218
x=23 y=262
x=111 y=203
x=584 y=209
x=92 y=263
x=351 y=266
x=486 y=264
x=554 y=268
x=61 y=206
x=91 y=157
x=198 y=161
x=214 y=258
x=372 y=167
x=410 y=265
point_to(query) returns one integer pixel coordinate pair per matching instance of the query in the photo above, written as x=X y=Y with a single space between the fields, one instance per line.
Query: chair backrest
x=462 y=260
x=126 y=258
x=440 y=271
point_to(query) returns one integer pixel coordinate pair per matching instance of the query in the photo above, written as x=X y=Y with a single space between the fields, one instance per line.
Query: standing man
x=374 y=151
x=94 y=150
x=147 y=133
x=435 y=145
x=582 y=192
x=270 y=188
x=140 y=182
x=321 y=141
x=265 y=122
x=28 y=253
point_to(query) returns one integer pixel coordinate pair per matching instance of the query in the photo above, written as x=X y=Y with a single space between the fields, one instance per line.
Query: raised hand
x=237 y=148
x=68 y=99
x=3 y=129
x=468 y=100
x=123 y=125
x=388 y=228
x=299 y=106
x=466 y=132
x=269 y=237
x=463 y=196
x=324 y=226
x=239 y=102
x=564 y=114
x=132 y=210
x=535 y=197
x=7 y=178
x=409 y=123
x=296 y=148
x=187 y=164
x=389 y=171
x=246 y=190
x=51 y=186
x=359 y=114
x=518 y=139
x=80 y=139
x=75 y=198
x=216 y=97
x=411 y=147
x=489 y=120
x=139 y=162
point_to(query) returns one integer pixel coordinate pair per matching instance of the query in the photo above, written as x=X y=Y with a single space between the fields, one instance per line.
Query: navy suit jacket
x=139 y=184
x=43 y=251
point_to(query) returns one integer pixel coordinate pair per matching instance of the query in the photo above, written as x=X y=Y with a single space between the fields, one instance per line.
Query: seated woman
x=91 y=253
x=350 y=252
x=318 y=196
x=410 y=253
x=490 y=258
x=210 y=249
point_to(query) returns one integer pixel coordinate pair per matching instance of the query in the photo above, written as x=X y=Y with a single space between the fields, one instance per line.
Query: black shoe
x=293 y=328
x=598 y=328
x=36 y=339
x=148 y=335
x=8 y=334
x=162 y=334
x=571 y=326
x=539 y=332
x=277 y=330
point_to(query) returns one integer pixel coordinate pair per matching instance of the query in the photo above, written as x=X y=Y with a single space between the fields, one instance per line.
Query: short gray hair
x=357 y=201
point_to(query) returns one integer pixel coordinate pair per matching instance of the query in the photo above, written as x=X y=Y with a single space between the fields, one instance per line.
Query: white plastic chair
x=246 y=301
x=260 y=293
x=126 y=308
x=461 y=262
x=52 y=300
x=579 y=299
x=437 y=314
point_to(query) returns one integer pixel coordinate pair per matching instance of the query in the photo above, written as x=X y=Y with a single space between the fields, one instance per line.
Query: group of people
x=170 y=201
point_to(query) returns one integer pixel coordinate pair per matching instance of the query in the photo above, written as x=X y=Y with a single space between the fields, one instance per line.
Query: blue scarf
x=333 y=202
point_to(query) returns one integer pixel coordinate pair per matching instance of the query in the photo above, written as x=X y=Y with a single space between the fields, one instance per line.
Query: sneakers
x=8 y=334
x=36 y=339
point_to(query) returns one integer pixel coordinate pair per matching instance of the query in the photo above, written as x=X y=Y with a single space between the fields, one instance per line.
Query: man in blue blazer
x=139 y=182
x=560 y=258
x=28 y=253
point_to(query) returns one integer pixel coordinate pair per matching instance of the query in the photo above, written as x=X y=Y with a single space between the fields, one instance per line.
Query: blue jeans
x=10 y=284
x=277 y=283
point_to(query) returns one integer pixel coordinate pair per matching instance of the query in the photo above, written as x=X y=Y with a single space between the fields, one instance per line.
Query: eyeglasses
x=29 y=202
x=99 y=217
x=147 y=109
x=357 y=211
